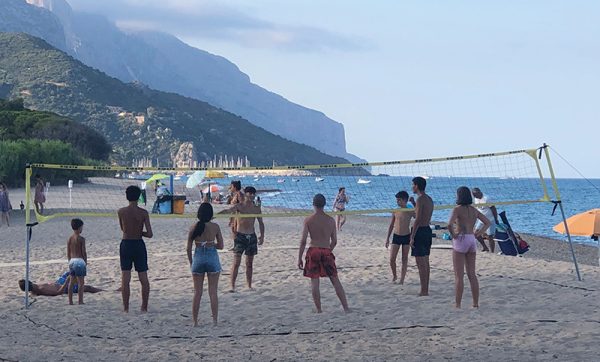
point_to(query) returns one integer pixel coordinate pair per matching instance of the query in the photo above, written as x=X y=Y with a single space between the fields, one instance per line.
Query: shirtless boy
x=320 y=261
x=132 y=250
x=77 y=256
x=246 y=241
x=421 y=235
x=400 y=225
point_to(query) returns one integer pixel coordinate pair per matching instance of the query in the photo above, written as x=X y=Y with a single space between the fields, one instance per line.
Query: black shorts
x=423 y=240
x=133 y=252
x=401 y=239
x=245 y=244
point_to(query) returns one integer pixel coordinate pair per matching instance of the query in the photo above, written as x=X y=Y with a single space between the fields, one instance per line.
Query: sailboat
x=363 y=181
x=319 y=179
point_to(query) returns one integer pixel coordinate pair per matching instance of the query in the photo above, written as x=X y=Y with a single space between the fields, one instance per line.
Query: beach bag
x=504 y=241
x=523 y=247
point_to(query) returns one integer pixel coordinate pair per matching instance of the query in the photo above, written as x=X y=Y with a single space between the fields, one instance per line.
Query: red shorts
x=320 y=262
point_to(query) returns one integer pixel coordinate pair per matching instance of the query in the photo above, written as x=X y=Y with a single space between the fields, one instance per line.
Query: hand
x=412 y=242
x=411 y=200
x=387 y=243
x=261 y=240
x=300 y=264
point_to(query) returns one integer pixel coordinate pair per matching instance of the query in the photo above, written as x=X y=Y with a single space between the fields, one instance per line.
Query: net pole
x=562 y=210
x=28 y=230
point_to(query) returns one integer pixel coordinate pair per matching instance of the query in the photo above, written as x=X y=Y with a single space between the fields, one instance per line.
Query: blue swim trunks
x=63 y=279
x=206 y=260
x=77 y=267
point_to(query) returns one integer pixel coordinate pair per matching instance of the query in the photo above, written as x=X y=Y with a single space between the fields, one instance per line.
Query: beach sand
x=532 y=308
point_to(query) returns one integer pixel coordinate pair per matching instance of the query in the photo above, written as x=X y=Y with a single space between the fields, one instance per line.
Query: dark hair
x=463 y=196
x=341 y=188
x=249 y=190
x=76 y=224
x=133 y=193
x=319 y=201
x=420 y=182
x=237 y=185
x=205 y=214
x=402 y=195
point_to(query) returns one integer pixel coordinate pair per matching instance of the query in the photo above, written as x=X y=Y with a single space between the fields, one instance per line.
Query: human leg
x=339 y=290
x=316 y=293
x=125 y=279
x=213 y=286
x=458 y=261
x=249 y=266
x=405 y=251
x=237 y=259
x=472 y=275
x=145 y=290
x=393 y=255
x=198 y=285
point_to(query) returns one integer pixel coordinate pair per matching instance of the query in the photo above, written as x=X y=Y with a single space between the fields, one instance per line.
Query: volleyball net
x=512 y=177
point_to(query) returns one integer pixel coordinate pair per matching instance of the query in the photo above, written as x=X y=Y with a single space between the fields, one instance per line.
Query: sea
x=377 y=192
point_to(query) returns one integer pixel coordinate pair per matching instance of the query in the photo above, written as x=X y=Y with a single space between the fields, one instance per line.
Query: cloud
x=213 y=20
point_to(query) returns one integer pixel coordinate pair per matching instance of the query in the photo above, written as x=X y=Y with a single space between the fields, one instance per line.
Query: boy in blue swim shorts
x=77 y=256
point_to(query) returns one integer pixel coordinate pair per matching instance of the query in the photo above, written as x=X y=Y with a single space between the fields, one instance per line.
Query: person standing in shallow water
x=464 y=242
x=320 y=261
x=208 y=238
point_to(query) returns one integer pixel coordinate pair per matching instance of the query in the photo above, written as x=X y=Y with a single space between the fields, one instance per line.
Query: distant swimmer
x=246 y=241
x=320 y=261
x=464 y=242
x=400 y=225
x=421 y=236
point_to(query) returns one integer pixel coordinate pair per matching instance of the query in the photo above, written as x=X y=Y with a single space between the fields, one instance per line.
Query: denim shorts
x=77 y=267
x=206 y=260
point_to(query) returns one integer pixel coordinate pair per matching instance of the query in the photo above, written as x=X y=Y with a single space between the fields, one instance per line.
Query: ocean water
x=534 y=218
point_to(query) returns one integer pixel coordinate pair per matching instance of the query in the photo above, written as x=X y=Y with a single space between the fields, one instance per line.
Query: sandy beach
x=532 y=308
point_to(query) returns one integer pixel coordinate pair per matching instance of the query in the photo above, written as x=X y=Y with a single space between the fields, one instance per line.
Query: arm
x=148 y=233
x=231 y=210
x=69 y=249
x=495 y=213
x=83 y=250
x=452 y=222
x=390 y=229
x=333 y=237
x=120 y=221
x=302 y=245
x=189 y=244
x=418 y=217
x=220 y=243
x=486 y=224
x=261 y=228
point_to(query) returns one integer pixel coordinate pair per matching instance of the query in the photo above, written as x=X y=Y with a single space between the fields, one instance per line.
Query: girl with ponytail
x=207 y=237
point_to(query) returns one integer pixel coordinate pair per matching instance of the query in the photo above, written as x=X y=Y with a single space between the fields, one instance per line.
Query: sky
x=411 y=79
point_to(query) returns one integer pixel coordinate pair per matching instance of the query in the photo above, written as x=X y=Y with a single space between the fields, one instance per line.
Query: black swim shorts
x=133 y=252
x=245 y=244
x=423 y=240
x=401 y=239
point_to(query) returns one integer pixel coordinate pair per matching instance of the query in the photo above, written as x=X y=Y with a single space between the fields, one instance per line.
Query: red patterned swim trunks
x=320 y=262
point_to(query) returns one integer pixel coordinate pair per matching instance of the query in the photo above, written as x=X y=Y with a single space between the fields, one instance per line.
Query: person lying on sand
x=60 y=286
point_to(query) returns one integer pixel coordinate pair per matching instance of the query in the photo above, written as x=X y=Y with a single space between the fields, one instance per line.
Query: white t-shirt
x=485 y=210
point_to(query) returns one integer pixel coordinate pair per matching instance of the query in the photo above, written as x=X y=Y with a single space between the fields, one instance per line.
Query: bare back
x=423 y=211
x=464 y=217
x=209 y=234
x=132 y=220
x=76 y=247
x=322 y=230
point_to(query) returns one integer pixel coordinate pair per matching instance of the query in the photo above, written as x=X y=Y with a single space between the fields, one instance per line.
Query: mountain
x=165 y=63
x=138 y=121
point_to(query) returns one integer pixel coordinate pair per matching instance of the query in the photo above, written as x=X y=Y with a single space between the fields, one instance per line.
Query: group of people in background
x=466 y=225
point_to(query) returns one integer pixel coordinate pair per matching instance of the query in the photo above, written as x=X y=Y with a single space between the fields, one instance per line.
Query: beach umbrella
x=195 y=179
x=584 y=224
x=212 y=188
x=157 y=176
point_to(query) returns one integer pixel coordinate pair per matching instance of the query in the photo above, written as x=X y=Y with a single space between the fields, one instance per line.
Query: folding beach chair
x=506 y=238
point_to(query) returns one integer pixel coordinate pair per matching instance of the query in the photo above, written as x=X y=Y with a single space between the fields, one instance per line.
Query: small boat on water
x=363 y=181
x=256 y=179
x=281 y=180
x=319 y=179
x=295 y=180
